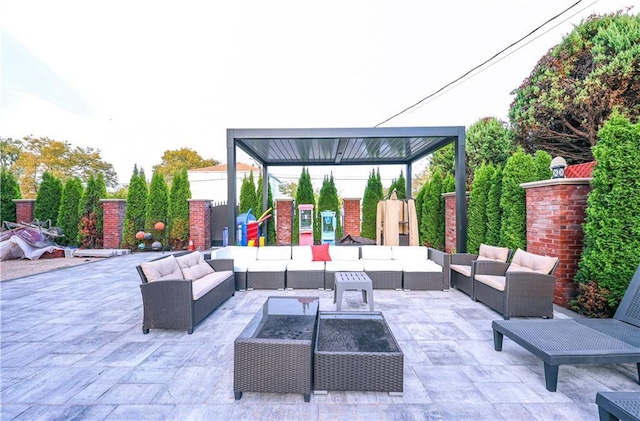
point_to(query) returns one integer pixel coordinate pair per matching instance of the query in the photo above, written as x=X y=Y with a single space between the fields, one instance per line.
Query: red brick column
x=352 y=219
x=449 y=222
x=284 y=221
x=112 y=229
x=555 y=212
x=200 y=223
x=24 y=209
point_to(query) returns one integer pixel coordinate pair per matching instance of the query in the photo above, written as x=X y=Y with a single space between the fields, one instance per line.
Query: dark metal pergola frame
x=347 y=146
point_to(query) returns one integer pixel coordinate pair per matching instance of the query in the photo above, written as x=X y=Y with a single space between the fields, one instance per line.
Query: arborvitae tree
x=304 y=195
x=449 y=184
x=372 y=195
x=69 y=215
x=612 y=229
x=494 y=215
x=322 y=206
x=333 y=193
x=419 y=201
x=179 y=210
x=9 y=190
x=157 y=209
x=477 y=208
x=48 y=199
x=400 y=187
x=520 y=168
x=269 y=223
x=433 y=213
x=136 y=204
x=248 y=198
x=328 y=200
x=542 y=161
x=91 y=214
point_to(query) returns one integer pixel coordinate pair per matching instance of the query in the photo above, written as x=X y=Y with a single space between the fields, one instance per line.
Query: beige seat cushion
x=193 y=265
x=528 y=262
x=205 y=284
x=162 y=270
x=420 y=266
x=495 y=282
x=462 y=269
x=498 y=254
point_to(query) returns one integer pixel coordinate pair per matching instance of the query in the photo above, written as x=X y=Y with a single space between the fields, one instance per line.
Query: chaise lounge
x=579 y=341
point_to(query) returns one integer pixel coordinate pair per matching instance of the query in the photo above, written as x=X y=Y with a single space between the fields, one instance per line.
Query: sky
x=136 y=78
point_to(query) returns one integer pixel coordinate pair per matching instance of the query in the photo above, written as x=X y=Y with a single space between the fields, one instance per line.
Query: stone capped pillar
x=556 y=210
x=200 y=223
x=352 y=218
x=24 y=209
x=284 y=221
x=449 y=222
x=113 y=226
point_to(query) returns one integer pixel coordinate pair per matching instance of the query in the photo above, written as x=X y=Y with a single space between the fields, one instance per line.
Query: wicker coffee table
x=274 y=352
x=356 y=351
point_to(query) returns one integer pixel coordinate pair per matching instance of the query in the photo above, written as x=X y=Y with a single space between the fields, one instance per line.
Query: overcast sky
x=136 y=78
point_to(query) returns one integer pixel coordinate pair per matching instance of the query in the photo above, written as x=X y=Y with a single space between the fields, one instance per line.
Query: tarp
x=17 y=248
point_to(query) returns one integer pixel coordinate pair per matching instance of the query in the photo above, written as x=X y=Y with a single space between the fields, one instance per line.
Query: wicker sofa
x=179 y=292
x=462 y=265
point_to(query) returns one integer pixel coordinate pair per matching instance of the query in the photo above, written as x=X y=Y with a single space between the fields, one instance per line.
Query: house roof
x=580 y=170
x=240 y=167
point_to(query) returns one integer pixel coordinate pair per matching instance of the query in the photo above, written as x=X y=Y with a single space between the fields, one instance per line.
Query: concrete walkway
x=73 y=348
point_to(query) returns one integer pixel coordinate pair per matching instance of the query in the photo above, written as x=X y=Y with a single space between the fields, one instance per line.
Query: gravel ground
x=18 y=268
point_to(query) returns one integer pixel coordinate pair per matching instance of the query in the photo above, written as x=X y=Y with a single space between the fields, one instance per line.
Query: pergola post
x=461 y=190
x=231 y=188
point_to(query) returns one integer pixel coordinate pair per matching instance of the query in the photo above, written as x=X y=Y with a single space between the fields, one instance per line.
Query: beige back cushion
x=163 y=269
x=193 y=265
x=499 y=254
x=529 y=262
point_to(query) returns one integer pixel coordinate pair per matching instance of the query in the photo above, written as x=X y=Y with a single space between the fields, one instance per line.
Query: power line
x=479 y=65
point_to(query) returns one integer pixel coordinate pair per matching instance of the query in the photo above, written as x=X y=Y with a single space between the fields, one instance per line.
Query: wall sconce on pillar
x=558 y=164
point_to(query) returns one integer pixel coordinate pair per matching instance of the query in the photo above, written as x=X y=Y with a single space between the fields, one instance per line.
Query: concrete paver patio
x=73 y=348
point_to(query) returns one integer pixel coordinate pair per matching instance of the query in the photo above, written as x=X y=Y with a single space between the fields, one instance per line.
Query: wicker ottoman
x=274 y=352
x=356 y=351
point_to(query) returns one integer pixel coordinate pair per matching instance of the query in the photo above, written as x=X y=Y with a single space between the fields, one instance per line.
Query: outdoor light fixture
x=558 y=164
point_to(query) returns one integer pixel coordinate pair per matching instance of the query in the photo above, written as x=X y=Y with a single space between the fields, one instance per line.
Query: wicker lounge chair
x=579 y=341
x=462 y=265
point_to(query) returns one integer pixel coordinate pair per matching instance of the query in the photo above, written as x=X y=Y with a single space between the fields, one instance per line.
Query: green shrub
x=612 y=227
x=304 y=195
x=494 y=215
x=179 y=195
x=9 y=190
x=136 y=204
x=90 y=233
x=48 y=199
x=157 y=208
x=248 y=198
x=542 y=161
x=433 y=213
x=520 y=168
x=69 y=215
x=477 y=208
x=373 y=193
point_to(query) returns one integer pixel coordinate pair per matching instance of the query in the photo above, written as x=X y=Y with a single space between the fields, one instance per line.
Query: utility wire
x=478 y=66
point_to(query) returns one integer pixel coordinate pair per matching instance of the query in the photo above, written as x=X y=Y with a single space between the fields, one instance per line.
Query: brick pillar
x=284 y=221
x=24 y=209
x=352 y=219
x=449 y=222
x=113 y=226
x=200 y=223
x=555 y=212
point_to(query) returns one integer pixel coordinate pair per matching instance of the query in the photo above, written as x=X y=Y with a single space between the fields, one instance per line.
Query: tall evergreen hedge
x=69 y=215
x=419 y=201
x=48 y=199
x=136 y=205
x=494 y=215
x=612 y=228
x=477 y=207
x=449 y=184
x=373 y=193
x=248 y=198
x=91 y=216
x=179 y=195
x=270 y=223
x=157 y=208
x=520 y=168
x=328 y=200
x=542 y=161
x=9 y=190
x=304 y=195
x=433 y=213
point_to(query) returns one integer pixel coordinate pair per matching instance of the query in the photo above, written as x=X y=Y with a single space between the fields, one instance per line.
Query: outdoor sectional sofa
x=389 y=267
x=180 y=290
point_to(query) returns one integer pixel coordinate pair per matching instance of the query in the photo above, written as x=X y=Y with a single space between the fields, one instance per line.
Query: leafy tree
x=48 y=199
x=373 y=193
x=179 y=210
x=304 y=195
x=494 y=215
x=542 y=161
x=91 y=213
x=177 y=160
x=31 y=157
x=9 y=152
x=576 y=86
x=289 y=189
x=612 y=228
x=520 y=168
x=477 y=208
x=433 y=213
x=157 y=208
x=134 y=216
x=248 y=198
x=69 y=215
x=490 y=141
x=9 y=190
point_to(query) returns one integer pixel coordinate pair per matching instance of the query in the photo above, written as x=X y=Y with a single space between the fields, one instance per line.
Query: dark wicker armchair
x=523 y=288
x=462 y=269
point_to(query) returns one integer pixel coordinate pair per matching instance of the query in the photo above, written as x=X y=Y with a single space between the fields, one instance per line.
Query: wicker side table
x=274 y=352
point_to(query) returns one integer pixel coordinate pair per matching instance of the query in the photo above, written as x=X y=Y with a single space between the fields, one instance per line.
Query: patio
x=73 y=348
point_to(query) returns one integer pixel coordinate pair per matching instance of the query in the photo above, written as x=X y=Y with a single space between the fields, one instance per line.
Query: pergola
x=347 y=146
